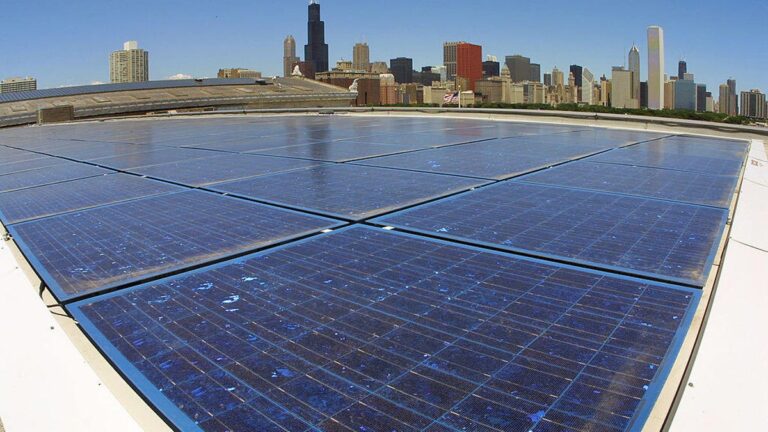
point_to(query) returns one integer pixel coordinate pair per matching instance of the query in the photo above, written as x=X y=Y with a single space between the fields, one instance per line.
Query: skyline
x=198 y=38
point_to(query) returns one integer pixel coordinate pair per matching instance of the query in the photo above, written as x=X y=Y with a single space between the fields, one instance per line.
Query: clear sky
x=68 y=42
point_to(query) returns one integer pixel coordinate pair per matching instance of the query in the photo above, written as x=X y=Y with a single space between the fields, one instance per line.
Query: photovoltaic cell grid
x=368 y=330
x=348 y=191
x=92 y=250
x=690 y=187
x=493 y=159
x=220 y=168
x=49 y=175
x=660 y=239
x=27 y=204
x=655 y=158
x=27 y=165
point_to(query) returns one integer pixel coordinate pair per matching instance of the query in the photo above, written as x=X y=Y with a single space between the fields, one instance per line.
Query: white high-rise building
x=621 y=89
x=634 y=67
x=131 y=64
x=655 y=67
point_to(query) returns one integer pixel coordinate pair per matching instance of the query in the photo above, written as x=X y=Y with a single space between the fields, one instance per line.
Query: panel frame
x=581 y=263
x=180 y=420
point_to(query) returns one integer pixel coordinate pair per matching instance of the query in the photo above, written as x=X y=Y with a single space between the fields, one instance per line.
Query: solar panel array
x=538 y=277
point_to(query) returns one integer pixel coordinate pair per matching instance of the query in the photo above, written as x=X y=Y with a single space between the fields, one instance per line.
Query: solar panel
x=348 y=191
x=240 y=143
x=690 y=187
x=656 y=158
x=689 y=146
x=153 y=156
x=93 y=250
x=368 y=330
x=49 y=175
x=104 y=88
x=494 y=159
x=17 y=167
x=92 y=150
x=338 y=151
x=227 y=167
x=9 y=155
x=597 y=139
x=660 y=239
x=26 y=204
x=436 y=138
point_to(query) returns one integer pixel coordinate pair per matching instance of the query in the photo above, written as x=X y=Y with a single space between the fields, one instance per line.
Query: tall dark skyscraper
x=682 y=69
x=316 y=50
x=577 y=71
x=402 y=69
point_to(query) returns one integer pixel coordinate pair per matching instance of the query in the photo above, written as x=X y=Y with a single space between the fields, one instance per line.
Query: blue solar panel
x=92 y=150
x=216 y=169
x=435 y=138
x=369 y=330
x=10 y=155
x=104 y=88
x=27 y=165
x=153 y=156
x=338 y=151
x=690 y=187
x=694 y=146
x=348 y=191
x=49 y=175
x=26 y=204
x=239 y=143
x=666 y=240
x=655 y=158
x=92 y=250
x=494 y=159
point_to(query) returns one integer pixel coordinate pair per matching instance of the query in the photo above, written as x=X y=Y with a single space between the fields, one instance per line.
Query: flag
x=451 y=98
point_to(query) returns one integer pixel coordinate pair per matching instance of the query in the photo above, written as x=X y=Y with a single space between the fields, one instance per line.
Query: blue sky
x=68 y=42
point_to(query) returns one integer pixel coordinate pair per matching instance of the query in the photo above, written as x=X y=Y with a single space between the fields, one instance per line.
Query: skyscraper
x=289 y=55
x=558 y=79
x=469 y=63
x=548 y=79
x=753 y=104
x=402 y=69
x=316 y=50
x=361 y=59
x=535 y=72
x=685 y=95
x=725 y=99
x=621 y=88
x=576 y=70
x=701 y=97
x=130 y=64
x=491 y=68
x=588 y=84
x=733 y=103
x=655 y=67
x=449 y=59
x=519 y=68
x=682 y=69
x=634 y=67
